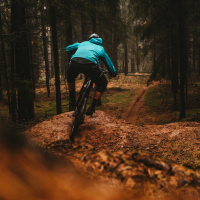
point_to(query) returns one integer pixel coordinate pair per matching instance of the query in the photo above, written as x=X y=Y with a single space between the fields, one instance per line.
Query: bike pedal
x=90 y=111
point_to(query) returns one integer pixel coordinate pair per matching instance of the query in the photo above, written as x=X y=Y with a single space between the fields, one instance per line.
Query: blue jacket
x=93 y=51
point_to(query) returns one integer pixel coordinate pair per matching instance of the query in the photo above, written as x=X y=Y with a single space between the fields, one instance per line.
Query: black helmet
x=94 y=35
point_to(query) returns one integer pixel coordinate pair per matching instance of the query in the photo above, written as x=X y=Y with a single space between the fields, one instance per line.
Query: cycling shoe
x=90 y=111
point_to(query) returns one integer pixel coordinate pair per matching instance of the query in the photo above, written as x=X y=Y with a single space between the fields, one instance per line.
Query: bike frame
x=84 y=92
x=81 y=103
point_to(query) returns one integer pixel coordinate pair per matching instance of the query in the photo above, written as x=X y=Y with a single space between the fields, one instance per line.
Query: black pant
x=91 y=70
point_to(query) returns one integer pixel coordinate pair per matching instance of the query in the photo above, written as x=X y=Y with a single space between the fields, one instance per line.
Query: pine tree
x=56 y=62
x=25 y=93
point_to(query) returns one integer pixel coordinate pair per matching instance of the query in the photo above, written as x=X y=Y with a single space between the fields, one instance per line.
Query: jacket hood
x=97 y=41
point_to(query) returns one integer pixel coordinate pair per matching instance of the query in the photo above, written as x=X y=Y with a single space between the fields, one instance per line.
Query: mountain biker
x=86 y=60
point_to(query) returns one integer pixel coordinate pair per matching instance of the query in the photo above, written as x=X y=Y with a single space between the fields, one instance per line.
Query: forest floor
x=129 y=147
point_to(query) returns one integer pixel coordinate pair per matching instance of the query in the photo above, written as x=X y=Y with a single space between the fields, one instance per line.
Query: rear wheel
x=79 y=117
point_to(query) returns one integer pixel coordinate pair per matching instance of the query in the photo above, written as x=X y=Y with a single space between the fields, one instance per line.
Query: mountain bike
x=81 y=103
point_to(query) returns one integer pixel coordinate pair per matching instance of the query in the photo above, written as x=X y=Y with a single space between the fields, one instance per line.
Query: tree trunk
x=1 y=88
x=199 y=59
x=5 y=64
x=52 y=60
x=69 y=36
x=186 y=55
x=115 y=57
x=45 y=53
x=56 y=63
x=163 y=65
x=12 y=68
x=25 y=93
x=83 y=26
x=169 y=76
x=137 y=49
x=189 y=70
x=132 y=65
x=174 y=53
x=182 y=60
x=31 y=54
x=126 y=57
x=13 y=89
x=94 y=20
x=69 y=32
x=194 y=52
x=154 y=57
x=63 y=60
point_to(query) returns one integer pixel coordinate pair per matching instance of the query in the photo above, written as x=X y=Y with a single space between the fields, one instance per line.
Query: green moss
x=47 y=109
x=159 y=96
x=117 y=102
x=159 y=100
x=119 y=98
x=192 y=115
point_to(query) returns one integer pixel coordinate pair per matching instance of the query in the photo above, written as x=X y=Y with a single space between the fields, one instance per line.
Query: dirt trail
x=135 y=113
x=134 y=109
x=176 y=143
x=102 y=132
x=105 y=146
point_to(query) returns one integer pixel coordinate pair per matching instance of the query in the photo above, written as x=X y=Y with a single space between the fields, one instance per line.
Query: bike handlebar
x=105 y=71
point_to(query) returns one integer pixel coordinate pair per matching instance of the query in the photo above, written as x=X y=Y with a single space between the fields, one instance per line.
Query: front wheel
x=79 y=117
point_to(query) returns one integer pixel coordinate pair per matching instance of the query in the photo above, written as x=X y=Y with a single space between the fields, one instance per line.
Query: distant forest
x=157 y=36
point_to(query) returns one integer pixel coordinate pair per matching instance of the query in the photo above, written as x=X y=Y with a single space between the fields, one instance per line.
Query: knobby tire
x=78 y=118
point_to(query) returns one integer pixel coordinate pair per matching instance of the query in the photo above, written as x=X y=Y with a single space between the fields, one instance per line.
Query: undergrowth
x=159 y=101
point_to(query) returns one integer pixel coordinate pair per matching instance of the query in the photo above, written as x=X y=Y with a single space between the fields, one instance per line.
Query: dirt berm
x=140 y=158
